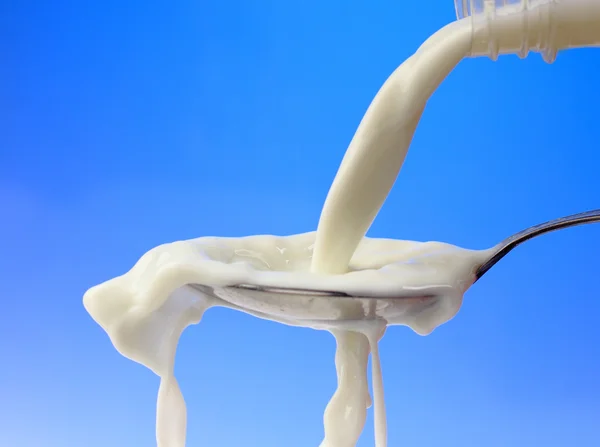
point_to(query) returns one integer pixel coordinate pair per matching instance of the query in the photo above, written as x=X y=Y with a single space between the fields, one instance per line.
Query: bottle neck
x=545 y=26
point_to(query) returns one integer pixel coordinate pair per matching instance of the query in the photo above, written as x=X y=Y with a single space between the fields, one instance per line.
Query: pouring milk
x=145 y=310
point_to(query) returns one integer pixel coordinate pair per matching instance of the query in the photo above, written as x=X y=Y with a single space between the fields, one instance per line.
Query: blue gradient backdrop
x=124 y=125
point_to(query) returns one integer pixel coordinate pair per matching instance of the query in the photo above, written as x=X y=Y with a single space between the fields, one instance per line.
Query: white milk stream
x=364 y=179
x=145 y=310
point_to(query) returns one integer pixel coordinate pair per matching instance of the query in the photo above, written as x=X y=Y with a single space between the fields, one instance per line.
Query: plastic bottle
x=521 y=26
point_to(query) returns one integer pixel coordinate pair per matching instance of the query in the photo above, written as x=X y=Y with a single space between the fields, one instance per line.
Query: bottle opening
x=466 y=8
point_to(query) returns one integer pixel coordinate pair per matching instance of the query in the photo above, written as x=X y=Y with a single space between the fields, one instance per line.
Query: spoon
x=288 y=305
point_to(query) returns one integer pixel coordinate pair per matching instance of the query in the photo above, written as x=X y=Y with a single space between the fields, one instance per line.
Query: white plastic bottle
x=521 y=26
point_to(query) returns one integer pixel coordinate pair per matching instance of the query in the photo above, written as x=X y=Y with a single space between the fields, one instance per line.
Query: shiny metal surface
x=293 y=306
x=512 y=242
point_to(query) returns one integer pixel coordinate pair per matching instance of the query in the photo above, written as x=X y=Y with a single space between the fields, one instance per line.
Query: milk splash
x=145 y=310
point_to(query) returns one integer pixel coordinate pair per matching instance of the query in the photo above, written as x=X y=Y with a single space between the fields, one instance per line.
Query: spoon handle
x=508 y=244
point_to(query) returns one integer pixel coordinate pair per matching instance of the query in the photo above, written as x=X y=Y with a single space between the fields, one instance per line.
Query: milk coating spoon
x=323 y=305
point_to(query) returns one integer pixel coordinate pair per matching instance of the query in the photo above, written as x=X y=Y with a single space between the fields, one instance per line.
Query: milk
x=145 y=310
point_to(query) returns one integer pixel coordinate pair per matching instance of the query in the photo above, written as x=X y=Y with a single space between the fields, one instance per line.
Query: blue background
x=124 y=125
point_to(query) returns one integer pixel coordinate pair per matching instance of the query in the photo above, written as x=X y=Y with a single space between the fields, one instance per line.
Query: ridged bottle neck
x=521 y=26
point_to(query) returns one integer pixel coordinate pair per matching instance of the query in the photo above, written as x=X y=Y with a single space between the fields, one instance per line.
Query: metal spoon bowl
x=309 y=307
